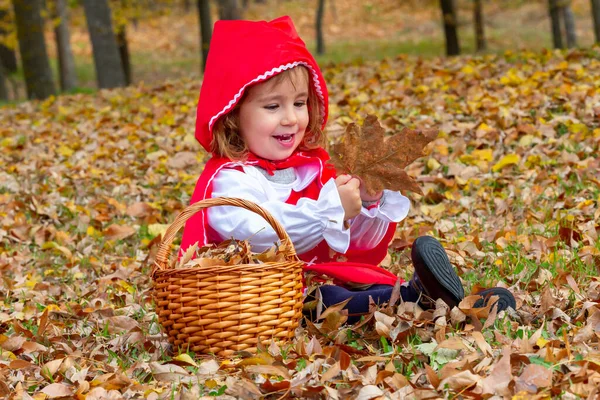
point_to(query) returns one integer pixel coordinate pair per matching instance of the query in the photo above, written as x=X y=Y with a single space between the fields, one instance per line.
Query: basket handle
x=164 y=250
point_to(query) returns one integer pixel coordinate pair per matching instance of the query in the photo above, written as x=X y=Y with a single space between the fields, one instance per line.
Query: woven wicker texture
x=223 y=309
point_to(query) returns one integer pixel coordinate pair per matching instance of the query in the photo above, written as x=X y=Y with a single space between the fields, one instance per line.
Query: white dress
x=308 y=222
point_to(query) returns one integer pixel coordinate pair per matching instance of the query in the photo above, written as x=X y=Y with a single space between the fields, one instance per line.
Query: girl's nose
x=289 y=118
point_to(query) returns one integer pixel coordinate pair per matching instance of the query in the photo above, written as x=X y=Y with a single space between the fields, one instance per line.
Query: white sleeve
x=369 y=227
x=307 y=223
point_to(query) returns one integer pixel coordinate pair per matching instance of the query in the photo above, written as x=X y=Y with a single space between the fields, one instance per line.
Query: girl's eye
x=300 y=103
x=271 y=107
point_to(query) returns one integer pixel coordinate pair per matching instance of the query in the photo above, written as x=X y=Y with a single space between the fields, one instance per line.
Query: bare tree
x=32 y=46
x=450 y=27
x=124 y=52
x=107 y=60
x=569 y=19
x=122 y=43
x=205 y=29
x=8 y=56
x=596 y=16
x=3 y=90
x=229 y=9
x=481 y=43
x=66 y=61
x=319 y=27
x=554 y=10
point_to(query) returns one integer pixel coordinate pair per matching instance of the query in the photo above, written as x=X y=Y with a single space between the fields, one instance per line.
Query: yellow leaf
x=157 y=229
x=509 y=159
x=513 y=77
x=579 y=128
x=8 y=354
x=484 y=127
x=211 y=384
x=433 y=164
x=79 y=275
x=185 y=358
x=483 y=154
x=468 y=69
x=56 y=246
x=526 y=140
x=585 y=203
x=168 y=119
x=65 y=151
x=532 y=161
x=126 y=286
x=433 y=211
x=33 y=280
x=541 y=342
x=52 y=307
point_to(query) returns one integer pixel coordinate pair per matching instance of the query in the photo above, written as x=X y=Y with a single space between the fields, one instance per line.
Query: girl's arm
x=307 y=223
x=368 y=228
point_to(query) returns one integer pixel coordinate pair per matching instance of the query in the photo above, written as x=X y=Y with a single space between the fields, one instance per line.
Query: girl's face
x=274 y=116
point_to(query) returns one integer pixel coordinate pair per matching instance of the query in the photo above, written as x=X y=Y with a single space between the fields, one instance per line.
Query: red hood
x=243 y=53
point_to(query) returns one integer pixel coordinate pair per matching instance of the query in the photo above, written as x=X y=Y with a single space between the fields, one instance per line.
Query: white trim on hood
x=267 y=75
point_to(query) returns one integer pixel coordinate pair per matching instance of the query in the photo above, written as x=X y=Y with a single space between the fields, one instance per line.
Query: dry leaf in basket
x=229 y=252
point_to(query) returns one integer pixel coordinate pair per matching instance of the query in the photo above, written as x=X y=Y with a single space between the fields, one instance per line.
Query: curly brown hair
x=227 y=141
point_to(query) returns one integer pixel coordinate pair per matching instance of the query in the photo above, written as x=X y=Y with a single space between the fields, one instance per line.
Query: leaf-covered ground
x=512 y=189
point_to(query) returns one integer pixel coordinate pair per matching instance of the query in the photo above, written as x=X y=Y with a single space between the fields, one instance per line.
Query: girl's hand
x=364 y=196
x=348 y=189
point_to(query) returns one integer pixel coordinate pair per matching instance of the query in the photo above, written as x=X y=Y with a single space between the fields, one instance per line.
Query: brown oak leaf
x=379 y=161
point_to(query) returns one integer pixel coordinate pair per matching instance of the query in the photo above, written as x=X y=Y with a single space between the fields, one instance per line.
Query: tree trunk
x=319 y=27
x=124 y=52
x=481 y=44
x=569 y=19
x=3 y=90
x=8 y=56
x=205 y=29
x=450 y=27
x=109 y=68
x=596 y=16
x=554 y=11
x=229 y=9
x=30 y=32
x=66 y=62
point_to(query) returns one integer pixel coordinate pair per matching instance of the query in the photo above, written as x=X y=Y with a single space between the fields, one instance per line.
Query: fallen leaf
x=118 y=232
x=55 y=390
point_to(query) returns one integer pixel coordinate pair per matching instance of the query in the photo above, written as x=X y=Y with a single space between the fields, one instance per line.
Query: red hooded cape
x=244 y=53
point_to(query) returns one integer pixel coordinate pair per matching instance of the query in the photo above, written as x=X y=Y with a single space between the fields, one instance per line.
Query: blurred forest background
x=53 y=46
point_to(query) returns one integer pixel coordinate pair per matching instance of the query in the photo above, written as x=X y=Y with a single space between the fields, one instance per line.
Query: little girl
x=261 y=113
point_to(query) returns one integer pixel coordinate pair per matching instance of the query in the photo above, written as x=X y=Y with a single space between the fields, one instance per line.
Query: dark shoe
x=434 y=275
x=505 y=298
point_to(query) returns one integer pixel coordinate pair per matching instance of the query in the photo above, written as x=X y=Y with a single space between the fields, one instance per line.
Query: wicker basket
x=220 y=310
